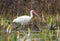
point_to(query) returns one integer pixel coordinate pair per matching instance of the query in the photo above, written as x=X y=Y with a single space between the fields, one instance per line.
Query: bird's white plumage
x=24 y=19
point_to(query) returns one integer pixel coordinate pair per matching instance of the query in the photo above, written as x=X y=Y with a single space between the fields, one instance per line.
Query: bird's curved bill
x=35 y=13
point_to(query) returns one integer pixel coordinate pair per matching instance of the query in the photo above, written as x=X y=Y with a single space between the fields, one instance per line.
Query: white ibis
x=25 y=19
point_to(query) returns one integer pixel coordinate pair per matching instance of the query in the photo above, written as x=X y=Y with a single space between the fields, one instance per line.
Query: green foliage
x=49 y=20
x=13 y=36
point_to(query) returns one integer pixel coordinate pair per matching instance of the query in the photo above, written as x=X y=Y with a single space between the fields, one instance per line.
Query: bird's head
x=34 y=12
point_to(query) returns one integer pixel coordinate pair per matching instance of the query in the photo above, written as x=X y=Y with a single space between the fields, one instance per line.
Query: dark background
x=24 y=6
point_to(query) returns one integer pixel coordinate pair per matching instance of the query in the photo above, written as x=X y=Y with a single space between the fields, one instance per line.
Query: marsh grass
x=44 y=34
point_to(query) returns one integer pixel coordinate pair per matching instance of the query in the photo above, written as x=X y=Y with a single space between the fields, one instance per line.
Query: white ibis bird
x=25 y=19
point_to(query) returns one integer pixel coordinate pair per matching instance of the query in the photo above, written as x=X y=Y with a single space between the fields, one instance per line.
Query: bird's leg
x=23 y=27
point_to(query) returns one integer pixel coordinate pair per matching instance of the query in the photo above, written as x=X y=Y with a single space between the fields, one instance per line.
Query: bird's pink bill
x=35 y=13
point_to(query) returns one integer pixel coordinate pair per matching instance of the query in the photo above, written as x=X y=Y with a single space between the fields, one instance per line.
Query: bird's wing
x=23 y=18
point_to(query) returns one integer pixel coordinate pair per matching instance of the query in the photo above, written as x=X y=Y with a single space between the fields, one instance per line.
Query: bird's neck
x=31 y=14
